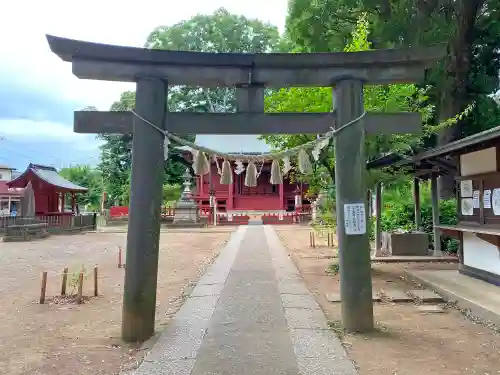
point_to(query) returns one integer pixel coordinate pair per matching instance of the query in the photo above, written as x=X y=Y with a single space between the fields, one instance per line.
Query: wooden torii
x=155 y=70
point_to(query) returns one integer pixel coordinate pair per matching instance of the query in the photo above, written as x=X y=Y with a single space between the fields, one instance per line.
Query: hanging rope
x=261 y=157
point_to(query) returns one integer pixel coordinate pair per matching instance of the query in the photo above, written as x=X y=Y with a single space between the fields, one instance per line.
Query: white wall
x=5 y=174
x=481 y=254
x=478 y=162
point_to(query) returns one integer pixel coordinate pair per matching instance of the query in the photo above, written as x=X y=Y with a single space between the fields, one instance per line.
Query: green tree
x=217 y=32
x=89 y=178
x=469 y=28
x=220 y=31
x=393 y=98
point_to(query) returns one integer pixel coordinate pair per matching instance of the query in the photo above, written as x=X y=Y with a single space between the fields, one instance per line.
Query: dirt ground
x=406 y=342
x=65 y=338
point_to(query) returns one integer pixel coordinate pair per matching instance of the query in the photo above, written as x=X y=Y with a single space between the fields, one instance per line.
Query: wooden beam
x=416 y=202
x=117 y=63
x=250 y=99
x=378 y=219
x=435 y=215
x=228 y=76
x=92 y=122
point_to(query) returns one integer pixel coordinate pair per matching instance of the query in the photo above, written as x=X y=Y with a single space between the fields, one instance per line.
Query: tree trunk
x=454 y=94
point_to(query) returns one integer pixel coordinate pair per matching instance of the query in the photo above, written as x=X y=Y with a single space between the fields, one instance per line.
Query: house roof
x=50 y=176
x=5 y=190
x=435 y=160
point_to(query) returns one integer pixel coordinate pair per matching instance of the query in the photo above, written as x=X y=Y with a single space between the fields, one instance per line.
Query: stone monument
x=26 y=227
x=186 y=211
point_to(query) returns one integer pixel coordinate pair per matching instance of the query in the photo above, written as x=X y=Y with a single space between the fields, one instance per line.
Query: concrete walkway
x=250 y=314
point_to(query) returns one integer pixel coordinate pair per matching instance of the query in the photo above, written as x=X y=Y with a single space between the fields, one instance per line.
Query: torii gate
x=154 y=70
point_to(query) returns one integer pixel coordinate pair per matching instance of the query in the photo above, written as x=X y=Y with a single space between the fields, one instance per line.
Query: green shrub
x=398 y=212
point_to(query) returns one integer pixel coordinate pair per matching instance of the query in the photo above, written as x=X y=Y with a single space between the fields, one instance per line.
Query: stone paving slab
x=397 y=295
x=291 y=287
x=203 y=290
x=261 y=320
x=300 y=301
x=197 y=308
x=181 y=367
x=248 y=332
x=175 y=349
x=181 y=340
x=317 y=349
x=425 y=295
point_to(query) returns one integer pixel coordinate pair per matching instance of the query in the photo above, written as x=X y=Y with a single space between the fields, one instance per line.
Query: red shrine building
x=53 y=193
x=237 y=197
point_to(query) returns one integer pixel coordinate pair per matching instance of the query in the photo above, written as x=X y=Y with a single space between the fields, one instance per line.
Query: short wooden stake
x=96 y=290
x=80 y=289
x=64 y=281
x=119 y=257
x=43 y=288
x=328 y=234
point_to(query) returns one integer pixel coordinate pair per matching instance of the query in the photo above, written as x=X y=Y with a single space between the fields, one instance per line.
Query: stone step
x=425 y=296
x=397 y=295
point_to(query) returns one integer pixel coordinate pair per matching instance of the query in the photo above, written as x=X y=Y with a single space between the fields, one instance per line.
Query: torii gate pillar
x=143 y=236
x=353 y=241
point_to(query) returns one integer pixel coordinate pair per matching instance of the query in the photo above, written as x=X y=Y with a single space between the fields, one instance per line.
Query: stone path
x=250 y=313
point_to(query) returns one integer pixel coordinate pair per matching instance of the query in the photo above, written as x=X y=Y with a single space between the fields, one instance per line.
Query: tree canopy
x=220 y=31
x=469 y=30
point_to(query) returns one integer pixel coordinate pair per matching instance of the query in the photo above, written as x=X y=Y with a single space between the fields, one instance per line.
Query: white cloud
x=25 y=51
x=33 y=131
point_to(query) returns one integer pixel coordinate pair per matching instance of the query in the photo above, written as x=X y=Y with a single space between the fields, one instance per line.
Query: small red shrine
x=238 y=197
x=50 y=189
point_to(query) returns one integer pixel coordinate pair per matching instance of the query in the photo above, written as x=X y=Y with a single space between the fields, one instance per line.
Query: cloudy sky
x=38 y=92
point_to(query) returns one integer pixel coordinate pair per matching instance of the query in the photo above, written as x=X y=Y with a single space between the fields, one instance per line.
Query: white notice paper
x=230 y=217
x=466 y=188
x=280 y=216
x=467 y=207
x=354 y=218
x=495 y=201
x=487 y=199
x=475 y=199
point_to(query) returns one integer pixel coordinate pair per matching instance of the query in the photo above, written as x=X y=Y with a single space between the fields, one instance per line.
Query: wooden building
x=237 y=197
x=476 y=162
x=51 y=190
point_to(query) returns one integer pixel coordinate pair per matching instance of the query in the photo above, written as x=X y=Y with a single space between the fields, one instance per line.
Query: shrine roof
x=50 y=176
x=435 y=160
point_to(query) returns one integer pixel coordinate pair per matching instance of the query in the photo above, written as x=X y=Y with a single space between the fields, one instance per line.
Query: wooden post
x=120 y=257
x=43 y=288
x=96 y=290
x=148 y=164
x=79 y=294
x=353 y=241
x=378 y=219
x=64 y=281
x=416 y=201
x=435 y=215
